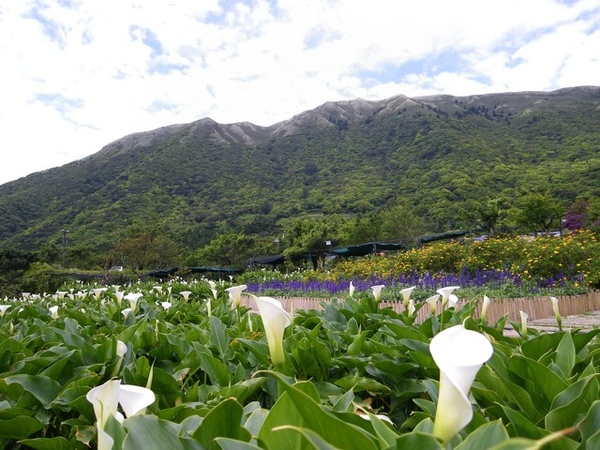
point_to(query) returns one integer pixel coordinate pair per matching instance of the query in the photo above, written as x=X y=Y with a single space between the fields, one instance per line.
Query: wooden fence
x=535 y=307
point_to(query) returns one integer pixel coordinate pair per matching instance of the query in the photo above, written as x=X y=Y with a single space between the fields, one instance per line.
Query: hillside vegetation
x=442 y=158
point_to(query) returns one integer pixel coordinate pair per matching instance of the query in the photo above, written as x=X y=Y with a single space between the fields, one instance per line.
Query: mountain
x=441 y=154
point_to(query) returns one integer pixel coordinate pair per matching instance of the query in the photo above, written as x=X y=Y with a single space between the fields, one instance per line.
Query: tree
x=146 y=250
x=577 y=215
x=489 y=214
x=400 y=223
x=539 y=212
x=228 y=249
x=14 y=263
x=308 y=236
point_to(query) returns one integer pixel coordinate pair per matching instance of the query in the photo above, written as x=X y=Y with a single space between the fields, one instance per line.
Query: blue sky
x=79 y=74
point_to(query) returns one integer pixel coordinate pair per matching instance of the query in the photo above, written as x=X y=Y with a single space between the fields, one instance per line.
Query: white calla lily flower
x=459 y=353
x=351 y=289
x=53 y=311
x=235 y=294
x=135 y=399
x=121 y=349
x=275 y=320
x=432 y=302
x=105 y=400
x=98 y=292
x=166 y=305
x=119 y=296
x=377 y=291
x=406 y=295
x=213 y=288
x=133 y=298
x=556 y=310
x=411 y=307
x=105 y=440
x=524 y=317
x=446 y=293
x=185 y=295
x=484 y=307
x=3 y=309
x=127 y=312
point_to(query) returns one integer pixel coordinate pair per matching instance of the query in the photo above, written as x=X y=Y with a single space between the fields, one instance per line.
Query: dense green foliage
x=209 y=367
x=452 y=162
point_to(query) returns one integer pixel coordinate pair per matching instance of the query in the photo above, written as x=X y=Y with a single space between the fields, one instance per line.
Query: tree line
x=146 y=247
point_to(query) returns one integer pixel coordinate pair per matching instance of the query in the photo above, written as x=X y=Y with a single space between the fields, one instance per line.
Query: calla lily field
x=185 y=365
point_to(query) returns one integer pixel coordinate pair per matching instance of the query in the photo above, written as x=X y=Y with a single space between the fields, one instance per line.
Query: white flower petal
x=459 y=353
x=235 y=294
x=135 y=399
x=275 y=320
x=104 y=399
x=406 y=294
x=121 y=348
x=377 y=291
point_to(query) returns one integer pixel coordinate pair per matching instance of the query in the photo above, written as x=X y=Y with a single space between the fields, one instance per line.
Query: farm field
x=187 y=365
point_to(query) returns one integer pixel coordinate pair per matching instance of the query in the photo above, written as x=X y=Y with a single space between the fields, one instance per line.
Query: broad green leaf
x=218 y=336
x=572 y=404
x=565 y=354
x=232 y=444
x=540 y=345
x=490 y=434
x=362 y=384
x=540 y=377
x=224 y=420
x=311 y=439
x=344 y=402
x=521 y=425
x=426 y=405
x=146 y=431
x=417 y=440
x=259 y=349
x=516 y=444
x=386 y=435
x=57 y=370
x=19 y=427
x=243 y=389
x=514 y=393
x=307 y=361
x=399 y=330
x=55 y=443
x=44 y=389
x=590 y=427
x=255 y=421
x=219 y=373
x=296 y=408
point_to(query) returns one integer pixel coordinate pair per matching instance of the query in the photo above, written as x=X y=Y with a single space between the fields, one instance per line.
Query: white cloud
x=78 y=74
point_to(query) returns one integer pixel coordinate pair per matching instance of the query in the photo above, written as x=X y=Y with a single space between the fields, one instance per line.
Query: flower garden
x=183 y=365
x=498 y=267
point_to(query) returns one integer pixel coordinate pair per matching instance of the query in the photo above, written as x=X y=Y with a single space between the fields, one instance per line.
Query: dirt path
x=583 y=322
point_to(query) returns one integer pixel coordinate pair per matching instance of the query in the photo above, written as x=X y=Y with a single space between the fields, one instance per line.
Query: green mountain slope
x=440 y=154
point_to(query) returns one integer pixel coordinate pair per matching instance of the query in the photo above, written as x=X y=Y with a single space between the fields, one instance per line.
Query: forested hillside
x=441 y=157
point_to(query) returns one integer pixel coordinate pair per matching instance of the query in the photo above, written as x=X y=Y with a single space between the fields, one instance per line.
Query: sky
x=79 y=74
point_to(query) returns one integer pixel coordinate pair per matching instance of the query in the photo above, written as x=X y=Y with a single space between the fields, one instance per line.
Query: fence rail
x=535 y=307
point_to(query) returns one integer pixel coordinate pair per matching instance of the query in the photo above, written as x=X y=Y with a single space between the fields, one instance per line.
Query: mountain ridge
x=353 y=156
